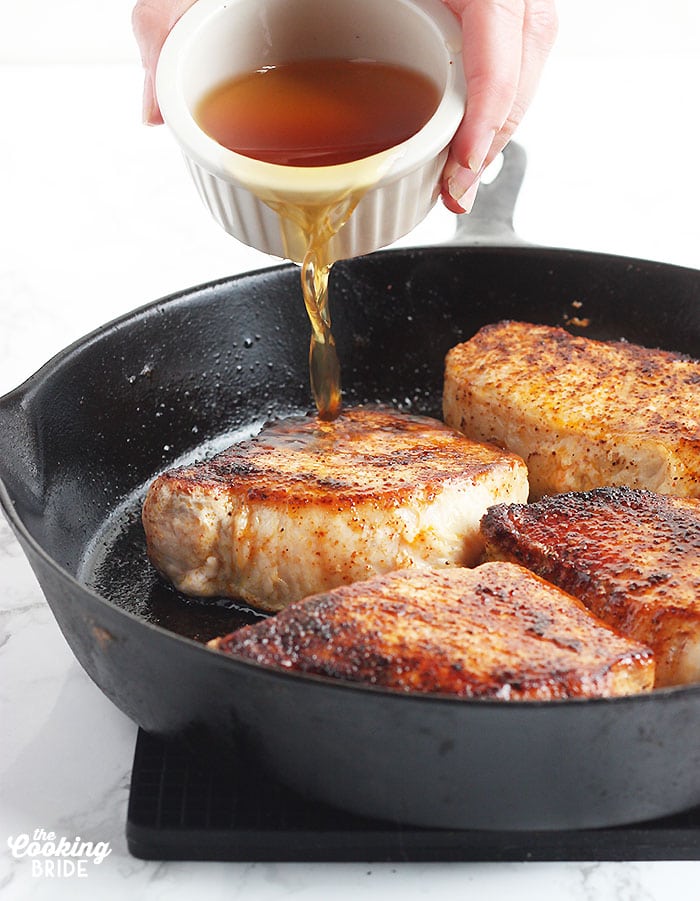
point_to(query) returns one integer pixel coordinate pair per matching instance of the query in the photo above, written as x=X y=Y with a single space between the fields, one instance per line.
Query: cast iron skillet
x=81 y=439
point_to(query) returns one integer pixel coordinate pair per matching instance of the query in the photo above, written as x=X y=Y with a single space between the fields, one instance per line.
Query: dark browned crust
x=632 y=556
x=496 y=631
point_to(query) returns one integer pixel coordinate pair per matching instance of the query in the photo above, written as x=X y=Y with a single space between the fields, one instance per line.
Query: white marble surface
x=97 y=218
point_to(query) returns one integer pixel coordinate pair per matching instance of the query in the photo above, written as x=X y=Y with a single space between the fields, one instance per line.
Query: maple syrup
x=318 y=113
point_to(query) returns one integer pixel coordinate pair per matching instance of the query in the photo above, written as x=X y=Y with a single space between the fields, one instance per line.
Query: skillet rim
x=27 y=389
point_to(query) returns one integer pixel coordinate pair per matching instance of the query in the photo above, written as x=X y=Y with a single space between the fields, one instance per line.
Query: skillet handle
x=20 y=460
x=491 y=218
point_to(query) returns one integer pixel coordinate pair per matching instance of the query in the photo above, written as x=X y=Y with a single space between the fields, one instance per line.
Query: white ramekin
x=217 y=39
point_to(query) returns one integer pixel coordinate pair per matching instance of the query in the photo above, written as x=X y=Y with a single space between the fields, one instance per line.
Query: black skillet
x=81 y=439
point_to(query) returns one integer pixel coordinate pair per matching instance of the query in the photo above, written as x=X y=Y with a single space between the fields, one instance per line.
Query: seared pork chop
x=581 y=413
x=496 y=631
x=308 y=505
x=631 y=556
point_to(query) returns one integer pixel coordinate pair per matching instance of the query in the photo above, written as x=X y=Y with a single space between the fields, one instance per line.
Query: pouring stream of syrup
x=310 y=113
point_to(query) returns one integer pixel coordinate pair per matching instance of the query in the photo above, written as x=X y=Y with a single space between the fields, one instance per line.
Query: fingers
x=152 y=21
x=492 y=50
x=506 y=43
x=539 y=32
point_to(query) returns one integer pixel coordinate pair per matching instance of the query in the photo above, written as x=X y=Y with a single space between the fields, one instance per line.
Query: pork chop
x=581 y=413
x=631 y=556
x=496 y=631
x=308 y=505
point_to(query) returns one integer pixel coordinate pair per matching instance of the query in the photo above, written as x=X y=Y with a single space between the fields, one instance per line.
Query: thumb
x=151 y=21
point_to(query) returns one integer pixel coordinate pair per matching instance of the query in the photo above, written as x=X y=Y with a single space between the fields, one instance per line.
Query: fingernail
x=459 y=180
x=477 y=158
x=468 y=198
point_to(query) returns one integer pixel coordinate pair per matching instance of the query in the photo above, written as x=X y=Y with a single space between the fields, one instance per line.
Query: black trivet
x=178 y=810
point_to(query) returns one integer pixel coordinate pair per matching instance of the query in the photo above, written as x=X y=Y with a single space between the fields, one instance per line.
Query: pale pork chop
x=308 y=505
x=496 y=631
x=631 y=556
x=581 y=413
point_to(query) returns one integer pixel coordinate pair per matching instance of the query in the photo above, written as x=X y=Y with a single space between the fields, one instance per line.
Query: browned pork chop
x=496 y=631
x=631 y=556
x=308 y=505
x=581 y=413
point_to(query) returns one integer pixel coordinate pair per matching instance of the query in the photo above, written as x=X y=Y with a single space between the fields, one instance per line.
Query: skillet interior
x=395 y=318
x=81 y=439
x=171 y=381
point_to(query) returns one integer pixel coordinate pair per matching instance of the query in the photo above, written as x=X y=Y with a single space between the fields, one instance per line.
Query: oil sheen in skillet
x=310 y=113
x=117 y=568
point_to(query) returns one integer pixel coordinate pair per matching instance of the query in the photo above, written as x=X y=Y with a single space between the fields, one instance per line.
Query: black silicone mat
x=178 y=810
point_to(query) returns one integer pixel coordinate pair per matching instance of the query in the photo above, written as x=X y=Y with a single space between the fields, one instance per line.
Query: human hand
x=506 y=43
x=505 y=46
x=152 y=21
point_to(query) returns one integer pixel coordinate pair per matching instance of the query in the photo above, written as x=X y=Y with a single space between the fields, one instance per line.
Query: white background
x=97 y=217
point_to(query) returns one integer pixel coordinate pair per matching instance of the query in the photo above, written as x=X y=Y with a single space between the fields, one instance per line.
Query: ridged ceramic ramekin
x=218 y=39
